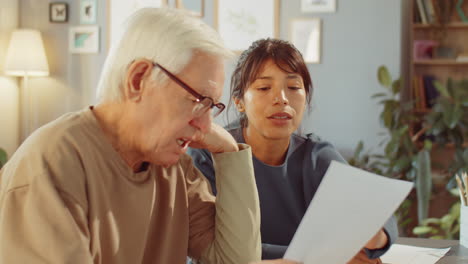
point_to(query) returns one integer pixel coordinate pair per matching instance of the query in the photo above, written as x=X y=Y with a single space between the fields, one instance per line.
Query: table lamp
x=26 y=57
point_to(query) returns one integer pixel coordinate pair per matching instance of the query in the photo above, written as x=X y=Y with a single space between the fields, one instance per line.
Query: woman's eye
x=294 y=88
x=263 y=88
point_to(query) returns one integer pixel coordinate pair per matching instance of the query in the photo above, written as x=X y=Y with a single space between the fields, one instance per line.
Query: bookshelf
x=431 y=48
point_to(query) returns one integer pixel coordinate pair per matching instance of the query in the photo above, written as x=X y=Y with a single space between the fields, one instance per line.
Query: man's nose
x=202 y=122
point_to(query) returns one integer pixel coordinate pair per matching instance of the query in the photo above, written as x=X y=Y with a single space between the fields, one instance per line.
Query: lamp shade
x=26 y=54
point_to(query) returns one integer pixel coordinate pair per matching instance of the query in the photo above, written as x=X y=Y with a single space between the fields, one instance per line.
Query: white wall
x=360 y=37
x=9 y=108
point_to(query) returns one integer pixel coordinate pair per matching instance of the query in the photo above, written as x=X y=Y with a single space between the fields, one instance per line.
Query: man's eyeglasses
x=204 y=103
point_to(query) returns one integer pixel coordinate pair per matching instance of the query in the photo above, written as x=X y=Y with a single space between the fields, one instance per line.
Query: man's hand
x=276 y=261
x=378 y=241
x=217 y=140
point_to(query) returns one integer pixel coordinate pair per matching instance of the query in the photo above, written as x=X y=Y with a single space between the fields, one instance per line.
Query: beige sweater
x=66 y=196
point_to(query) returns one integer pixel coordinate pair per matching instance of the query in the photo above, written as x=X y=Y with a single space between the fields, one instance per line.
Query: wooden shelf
x=441 y=62
x=454 y=25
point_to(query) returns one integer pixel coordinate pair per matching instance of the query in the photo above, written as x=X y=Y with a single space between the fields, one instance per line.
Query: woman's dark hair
x=250 y=62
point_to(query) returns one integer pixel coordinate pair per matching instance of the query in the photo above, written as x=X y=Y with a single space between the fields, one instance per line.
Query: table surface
x=457 y=254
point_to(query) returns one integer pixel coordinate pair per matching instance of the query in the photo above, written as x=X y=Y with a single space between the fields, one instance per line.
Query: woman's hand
x=276 y=261
x=217 y=140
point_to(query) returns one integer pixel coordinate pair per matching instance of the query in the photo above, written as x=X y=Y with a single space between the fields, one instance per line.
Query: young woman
x=271 y=89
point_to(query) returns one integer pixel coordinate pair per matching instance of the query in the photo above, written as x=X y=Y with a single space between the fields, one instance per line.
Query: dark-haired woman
x=271 y=89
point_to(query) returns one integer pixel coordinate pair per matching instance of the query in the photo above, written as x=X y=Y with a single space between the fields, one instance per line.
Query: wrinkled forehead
x=206 y=76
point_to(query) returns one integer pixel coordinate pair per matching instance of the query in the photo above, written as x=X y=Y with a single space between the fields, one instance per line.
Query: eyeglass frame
x=199 y=98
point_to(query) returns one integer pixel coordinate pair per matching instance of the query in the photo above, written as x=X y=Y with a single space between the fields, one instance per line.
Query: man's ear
x=137 y=72
x=239 y=104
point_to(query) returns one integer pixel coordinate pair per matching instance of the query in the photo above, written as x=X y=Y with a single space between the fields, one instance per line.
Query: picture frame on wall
x=318 y=6
x=240 y=23
x=119 y=11
x=195 y=7
x=305 y=34
x=88 y=11
x=58 y=12
x=84 y=39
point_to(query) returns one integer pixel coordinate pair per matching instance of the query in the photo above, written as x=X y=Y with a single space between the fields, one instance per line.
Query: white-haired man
x=111 y=183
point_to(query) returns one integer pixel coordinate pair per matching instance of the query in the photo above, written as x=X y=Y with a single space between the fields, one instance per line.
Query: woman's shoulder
x=309 y=140
x=312 y=145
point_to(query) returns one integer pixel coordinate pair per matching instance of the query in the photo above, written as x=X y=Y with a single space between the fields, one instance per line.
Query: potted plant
x=445 y=227
x=403 y=158
x=447 y=125
x=411 y=152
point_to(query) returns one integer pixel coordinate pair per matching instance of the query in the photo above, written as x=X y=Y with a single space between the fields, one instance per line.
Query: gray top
x=285 y=191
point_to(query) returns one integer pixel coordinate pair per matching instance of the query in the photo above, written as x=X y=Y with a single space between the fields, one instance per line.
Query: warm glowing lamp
x=26 y=57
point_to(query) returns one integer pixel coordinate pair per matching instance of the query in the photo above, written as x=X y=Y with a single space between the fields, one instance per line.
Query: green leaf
x=452 y=116
x=377 y=95
x=465 y=155
x=423 y=184
x=454 y=192
x=441 y=89
x=387 y=116
x=391 y=148
x=401 y=164
x=428 y=221
x=396 y=86
x=358 y=150
x=422 y=230
x=384 y=76
x=427 y=144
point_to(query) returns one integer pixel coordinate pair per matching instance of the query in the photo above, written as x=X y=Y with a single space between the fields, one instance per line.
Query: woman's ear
x=239 y=104
x=137 y=72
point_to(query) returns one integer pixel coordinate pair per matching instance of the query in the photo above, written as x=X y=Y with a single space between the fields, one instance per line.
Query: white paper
x=349 y=208
x=413 y=255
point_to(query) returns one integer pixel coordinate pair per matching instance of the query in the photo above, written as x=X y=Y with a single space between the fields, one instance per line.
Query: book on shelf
x=430 y=90
x=430 y=12
x=424 y=92
x=427 y=11
x=416 y=16
x=422 y=11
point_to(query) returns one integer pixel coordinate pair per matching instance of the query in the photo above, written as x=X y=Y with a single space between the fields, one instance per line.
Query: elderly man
x=111 y=183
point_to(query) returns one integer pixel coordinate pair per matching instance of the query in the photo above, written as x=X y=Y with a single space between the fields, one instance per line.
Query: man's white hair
x=166 y=36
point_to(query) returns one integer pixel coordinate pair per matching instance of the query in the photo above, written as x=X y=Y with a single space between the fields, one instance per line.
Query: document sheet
x=351 y=205
x=413 y=255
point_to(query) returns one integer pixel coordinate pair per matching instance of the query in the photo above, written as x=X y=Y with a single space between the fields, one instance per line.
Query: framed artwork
x=240 y=22
x=196 y=7
x=318 y=6
x=305 y=34
x=84 y=39
x=58 y=12
x=88 y=12
x=119 y=11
